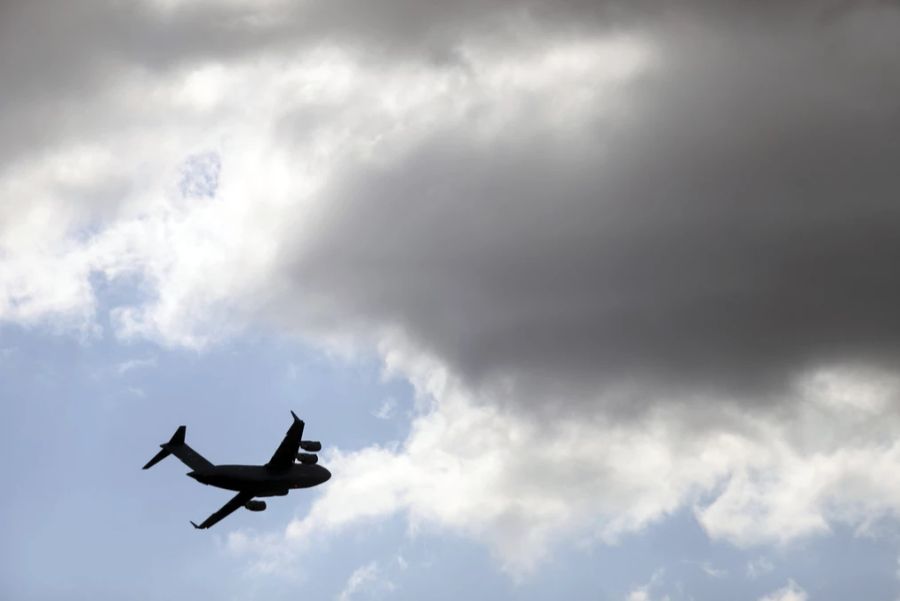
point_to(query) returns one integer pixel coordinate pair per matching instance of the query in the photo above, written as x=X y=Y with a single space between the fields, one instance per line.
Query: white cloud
x=788 y=492
x=136 y=391
x=791 y=592
x=358 y=579
x=645 y=592
x=758 y=567
x=386 y=409
x=367 y=581
x=133 y=364
x=712 y=571
x=521 y=485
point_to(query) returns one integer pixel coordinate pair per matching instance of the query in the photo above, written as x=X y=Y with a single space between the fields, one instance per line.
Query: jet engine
x=256 y=505
x=313 y=446
x=307 y=458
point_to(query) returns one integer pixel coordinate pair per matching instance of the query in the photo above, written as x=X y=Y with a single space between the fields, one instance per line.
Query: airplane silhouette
x=274 y=479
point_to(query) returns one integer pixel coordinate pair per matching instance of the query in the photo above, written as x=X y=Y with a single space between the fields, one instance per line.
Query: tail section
x=178 y=437
x=157 y=458
x=176 y=446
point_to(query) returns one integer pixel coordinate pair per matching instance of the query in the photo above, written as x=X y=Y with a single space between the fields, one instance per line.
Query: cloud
x=644 y=593
x=712 y=571
x=387 y=408
x=665 y=202
x=366 y=579
x=791 y=592
x=136 y=391
x=522 y=485
x=696 y=235
x=200 y=176
x=758 y=567
x=133 y=364
x=605 y=242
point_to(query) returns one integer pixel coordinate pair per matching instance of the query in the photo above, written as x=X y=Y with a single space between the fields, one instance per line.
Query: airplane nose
x=326 y=475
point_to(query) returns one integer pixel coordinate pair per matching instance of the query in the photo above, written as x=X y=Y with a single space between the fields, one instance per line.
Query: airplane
x=274 y=479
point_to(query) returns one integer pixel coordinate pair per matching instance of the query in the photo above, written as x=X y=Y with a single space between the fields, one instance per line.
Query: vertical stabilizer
x=178 y=437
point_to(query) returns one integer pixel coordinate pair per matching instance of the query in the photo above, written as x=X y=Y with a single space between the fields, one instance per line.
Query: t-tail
x=176 y=446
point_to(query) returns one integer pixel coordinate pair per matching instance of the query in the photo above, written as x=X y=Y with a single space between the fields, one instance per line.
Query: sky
x=589 y=300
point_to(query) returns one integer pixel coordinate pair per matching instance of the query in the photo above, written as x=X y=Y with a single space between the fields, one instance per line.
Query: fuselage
x=261 y=480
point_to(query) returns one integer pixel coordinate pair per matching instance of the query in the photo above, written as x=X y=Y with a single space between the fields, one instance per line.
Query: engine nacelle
x=313 y=446
x=255 y=505
x=307 y=458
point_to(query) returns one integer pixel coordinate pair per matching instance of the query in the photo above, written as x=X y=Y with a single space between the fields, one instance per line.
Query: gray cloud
x=60 y=58
x=86 y=47
x=739 y=224
x=732 y=223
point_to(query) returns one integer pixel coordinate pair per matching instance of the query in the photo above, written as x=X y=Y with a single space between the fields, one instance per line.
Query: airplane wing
x=286 y=453
x=239 y=500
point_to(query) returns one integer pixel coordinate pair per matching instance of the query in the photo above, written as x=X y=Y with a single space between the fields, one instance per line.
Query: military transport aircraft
x=273 y=479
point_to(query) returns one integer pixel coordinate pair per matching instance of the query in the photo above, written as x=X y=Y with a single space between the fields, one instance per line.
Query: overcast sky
x=590 y=300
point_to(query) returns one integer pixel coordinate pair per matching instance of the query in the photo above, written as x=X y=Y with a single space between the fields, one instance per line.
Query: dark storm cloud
x=740 y=225
x=737 y=223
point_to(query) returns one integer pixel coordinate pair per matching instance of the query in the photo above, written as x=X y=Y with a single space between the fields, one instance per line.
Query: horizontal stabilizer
x=157 y=458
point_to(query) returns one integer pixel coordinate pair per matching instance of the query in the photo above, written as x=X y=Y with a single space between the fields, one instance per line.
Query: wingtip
x=196 y=526
x=296 y=419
